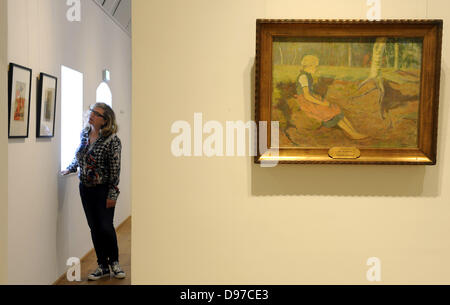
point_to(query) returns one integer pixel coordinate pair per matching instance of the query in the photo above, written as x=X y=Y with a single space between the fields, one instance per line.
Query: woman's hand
x=110 y=203
x=65 y=172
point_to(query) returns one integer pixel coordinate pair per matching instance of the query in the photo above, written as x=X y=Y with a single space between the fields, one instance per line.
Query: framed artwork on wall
x=46 y=105
x=349 y=91
x=19 y=94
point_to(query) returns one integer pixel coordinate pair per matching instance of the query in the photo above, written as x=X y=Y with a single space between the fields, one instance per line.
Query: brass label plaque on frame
x=344 y=153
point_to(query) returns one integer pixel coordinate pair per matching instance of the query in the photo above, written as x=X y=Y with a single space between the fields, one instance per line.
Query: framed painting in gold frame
x=348 y=91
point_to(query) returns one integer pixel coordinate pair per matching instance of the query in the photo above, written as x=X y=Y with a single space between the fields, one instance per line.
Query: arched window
x=104 y=94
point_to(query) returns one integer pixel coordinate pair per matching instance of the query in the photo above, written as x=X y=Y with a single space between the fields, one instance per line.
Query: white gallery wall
x=46 y=223
x=226 y=220
x=3 y=145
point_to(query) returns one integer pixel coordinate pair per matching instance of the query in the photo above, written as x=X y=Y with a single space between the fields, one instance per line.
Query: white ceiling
x=119 y=11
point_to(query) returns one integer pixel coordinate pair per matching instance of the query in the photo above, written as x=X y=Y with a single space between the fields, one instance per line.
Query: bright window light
x=71 y=113
x=104 y=94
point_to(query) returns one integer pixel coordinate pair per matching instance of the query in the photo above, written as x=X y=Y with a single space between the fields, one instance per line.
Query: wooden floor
x=89 y=262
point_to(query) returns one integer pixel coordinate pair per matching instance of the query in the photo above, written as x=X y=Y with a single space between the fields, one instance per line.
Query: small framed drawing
x=348 y=91
x=46 y=106
x=19 y=94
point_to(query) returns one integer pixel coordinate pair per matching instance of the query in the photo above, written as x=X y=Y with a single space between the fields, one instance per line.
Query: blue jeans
x=100 y=221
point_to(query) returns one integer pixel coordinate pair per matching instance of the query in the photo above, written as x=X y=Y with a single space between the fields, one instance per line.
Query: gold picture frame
x=381 y=81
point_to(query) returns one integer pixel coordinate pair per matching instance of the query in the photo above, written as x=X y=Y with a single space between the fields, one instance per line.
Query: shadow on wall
x=347 y=180
x=339 y=180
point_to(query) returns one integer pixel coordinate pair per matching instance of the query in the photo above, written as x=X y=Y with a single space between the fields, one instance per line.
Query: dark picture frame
x=46 y=105
x=269 y=90
x=19 y=96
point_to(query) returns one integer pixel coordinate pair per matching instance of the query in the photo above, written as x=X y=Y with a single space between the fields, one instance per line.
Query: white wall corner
x=3 y=144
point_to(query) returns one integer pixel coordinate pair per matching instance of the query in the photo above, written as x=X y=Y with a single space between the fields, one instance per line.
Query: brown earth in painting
x=398 y=128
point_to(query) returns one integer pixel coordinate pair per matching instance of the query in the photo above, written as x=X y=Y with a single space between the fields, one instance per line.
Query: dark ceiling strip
x=117 y=7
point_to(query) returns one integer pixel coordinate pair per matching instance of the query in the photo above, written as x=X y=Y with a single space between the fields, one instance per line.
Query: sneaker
x=118 y=272
x=99 y=273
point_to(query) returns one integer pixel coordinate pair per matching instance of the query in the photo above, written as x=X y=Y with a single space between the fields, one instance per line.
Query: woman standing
x=98 y=158
x=317 y=108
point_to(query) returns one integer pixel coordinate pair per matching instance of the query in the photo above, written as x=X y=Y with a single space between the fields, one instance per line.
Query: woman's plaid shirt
x=100 y=163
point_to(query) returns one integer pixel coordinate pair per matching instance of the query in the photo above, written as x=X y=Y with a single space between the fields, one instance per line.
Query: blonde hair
x=110 y=126
x=310 y=60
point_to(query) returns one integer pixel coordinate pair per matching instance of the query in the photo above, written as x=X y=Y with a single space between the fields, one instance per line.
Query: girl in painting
x=317 y=108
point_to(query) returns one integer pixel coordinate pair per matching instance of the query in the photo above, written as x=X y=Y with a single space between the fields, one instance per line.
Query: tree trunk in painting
x=281 y=56
x=295 y=57
x=349 y=54
x=377 y=56
x=375 y=72
x=375 y=69
x=396 y=54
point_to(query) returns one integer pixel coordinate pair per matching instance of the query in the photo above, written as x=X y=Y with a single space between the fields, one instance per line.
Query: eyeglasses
x=97 y=114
